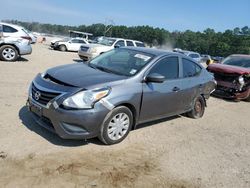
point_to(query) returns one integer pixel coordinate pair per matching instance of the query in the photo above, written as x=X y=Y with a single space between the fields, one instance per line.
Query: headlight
x=241 y=80
x=93 y=50
x=43 y=74
x=86 y=99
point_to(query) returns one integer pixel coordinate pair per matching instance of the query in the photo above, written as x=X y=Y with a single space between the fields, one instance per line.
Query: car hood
x=81 y=75
x=228 y=69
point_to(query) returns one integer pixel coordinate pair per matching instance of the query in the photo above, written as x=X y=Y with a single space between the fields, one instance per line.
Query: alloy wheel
x=8 y=54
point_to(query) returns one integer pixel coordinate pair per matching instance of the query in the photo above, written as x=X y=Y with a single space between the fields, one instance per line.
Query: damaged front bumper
x=68 y=124
x=231 y=91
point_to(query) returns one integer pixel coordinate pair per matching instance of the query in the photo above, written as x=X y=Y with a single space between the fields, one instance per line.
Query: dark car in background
x=233 y=77
x=114 y=92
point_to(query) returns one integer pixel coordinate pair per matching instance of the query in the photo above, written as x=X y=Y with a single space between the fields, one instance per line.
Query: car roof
x=124 y=39
x=153 y=51
x=240 y=55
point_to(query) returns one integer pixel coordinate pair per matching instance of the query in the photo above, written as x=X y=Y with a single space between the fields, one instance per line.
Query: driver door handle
x=175 y=89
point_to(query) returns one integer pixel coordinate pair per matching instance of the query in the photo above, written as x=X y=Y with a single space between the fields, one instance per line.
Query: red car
x=233 y=77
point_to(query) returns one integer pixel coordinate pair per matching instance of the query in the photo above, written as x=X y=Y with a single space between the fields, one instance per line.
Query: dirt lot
x=177 y=152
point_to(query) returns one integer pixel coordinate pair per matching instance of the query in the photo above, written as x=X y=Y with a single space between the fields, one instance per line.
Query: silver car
x=12 y=48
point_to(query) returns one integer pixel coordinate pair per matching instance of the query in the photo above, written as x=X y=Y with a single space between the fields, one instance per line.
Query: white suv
x=15 y=31
x=69 y=44
x=104 y=44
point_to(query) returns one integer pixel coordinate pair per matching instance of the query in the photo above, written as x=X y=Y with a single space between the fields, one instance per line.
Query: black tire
x=62 y=48
x=198 y=108
x=104 y=135
x=8 y=53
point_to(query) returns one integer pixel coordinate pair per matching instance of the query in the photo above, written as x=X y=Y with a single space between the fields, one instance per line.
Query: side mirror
x=117 y=46
x=155 y=77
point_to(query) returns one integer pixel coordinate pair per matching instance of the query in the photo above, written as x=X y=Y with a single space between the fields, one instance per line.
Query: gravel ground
x=177 y=152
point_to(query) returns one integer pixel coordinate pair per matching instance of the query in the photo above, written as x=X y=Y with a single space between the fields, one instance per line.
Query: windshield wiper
x=108 y=70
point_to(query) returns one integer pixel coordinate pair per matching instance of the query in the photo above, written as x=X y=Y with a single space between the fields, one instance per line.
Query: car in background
x=116 y=91
x=104 y=44
x=207 y=59
x=194 y=55
x=15 y=31
x=233 y=77
x=217 y=59
x=69 y=44
x=12 y=48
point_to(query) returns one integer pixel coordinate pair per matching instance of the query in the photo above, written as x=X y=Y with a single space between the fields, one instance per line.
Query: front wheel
x=198 y=108
x=62 y=48
x=8 y=53
x=116 y=125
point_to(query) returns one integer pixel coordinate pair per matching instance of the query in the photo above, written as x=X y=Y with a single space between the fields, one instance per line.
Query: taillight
x=26 y=37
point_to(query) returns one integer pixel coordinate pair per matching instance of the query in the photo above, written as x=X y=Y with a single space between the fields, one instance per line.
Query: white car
x=194 y=55
x=15 y=31
x=69 y=44
x=104 y=44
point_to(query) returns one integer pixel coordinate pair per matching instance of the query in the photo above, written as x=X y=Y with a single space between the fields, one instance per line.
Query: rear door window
x=130 y=43
x=81 y=41
x=139 y=44
x=190 y=69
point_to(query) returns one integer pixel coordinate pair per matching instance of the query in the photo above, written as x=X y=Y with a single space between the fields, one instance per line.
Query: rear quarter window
x=139 y=44
x=8 y=29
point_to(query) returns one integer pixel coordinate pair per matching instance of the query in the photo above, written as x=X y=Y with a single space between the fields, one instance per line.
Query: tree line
x=209 y=42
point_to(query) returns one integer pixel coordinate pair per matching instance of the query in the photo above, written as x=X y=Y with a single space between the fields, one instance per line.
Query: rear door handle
x=175 y=89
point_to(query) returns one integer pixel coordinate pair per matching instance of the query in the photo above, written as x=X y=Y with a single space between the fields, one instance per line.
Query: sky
x=195 y=15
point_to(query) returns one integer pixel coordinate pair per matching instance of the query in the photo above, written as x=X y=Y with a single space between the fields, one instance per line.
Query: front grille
x=43 y=97
x=84 y=48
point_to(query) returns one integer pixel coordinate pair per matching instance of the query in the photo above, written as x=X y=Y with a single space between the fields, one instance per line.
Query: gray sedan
x=116 y=91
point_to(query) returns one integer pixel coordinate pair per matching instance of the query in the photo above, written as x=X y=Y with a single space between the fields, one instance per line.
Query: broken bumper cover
x=67 y=123
x=230 y=91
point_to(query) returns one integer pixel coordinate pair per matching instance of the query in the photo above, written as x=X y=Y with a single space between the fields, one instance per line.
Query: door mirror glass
x=155 y=77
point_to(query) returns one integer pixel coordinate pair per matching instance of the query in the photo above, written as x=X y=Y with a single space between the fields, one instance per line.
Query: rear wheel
x=116 y=125
x=8 y=53
x=198 y=108
x=62 y=48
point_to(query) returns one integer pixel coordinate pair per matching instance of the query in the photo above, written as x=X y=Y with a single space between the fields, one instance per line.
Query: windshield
x=106 y=41
x=194 y=55
x=65 y=39
x=121 y=61
x=237 y=61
